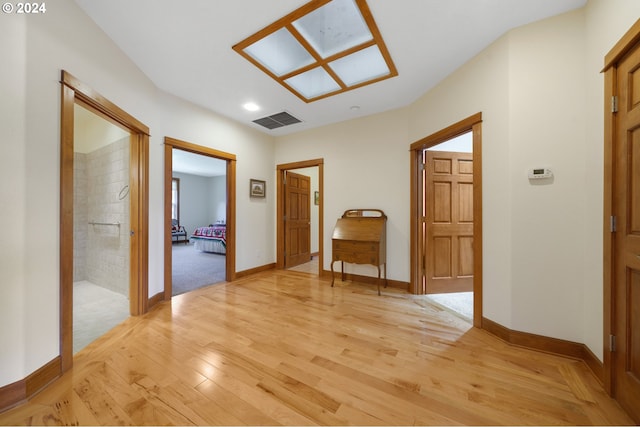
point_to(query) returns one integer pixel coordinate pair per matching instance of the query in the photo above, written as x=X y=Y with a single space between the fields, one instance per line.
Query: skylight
x=324 y=48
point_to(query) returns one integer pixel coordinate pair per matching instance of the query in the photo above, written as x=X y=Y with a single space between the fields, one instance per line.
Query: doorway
x=313 y=169
x=448 y=228
x=219 y=243
x=100 y=222
x=301 y=225
x=75 y=92
x=198 y=221
x=461 y=242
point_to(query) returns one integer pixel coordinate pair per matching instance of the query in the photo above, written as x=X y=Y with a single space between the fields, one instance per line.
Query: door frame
x=470 y=124
x=230 y=255
x=611 y=60
x=74 y=91
x=280 y=199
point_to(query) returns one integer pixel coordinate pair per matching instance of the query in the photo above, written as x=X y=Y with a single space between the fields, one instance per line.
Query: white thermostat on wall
x=540 y=173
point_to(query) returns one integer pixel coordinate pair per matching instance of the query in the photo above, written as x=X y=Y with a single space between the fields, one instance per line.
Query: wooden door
x=448 y=199
x=297 y=219
x=626 y=208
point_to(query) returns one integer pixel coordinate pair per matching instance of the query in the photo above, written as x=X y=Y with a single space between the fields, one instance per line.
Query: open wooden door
x=625 y=338
x=297 y=219
x=448 y=222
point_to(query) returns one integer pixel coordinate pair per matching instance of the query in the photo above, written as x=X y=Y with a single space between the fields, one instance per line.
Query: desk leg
x=332 y=276
x=378 y=280
x=385 y=275
x=342 y=263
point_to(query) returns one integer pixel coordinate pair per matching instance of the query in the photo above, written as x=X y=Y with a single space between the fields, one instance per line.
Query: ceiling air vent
x=277 y=120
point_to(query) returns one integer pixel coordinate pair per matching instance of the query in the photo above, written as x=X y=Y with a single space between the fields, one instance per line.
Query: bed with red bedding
x=211 y=239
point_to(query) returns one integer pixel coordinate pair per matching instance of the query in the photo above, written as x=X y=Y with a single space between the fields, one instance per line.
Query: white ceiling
x=184 y=47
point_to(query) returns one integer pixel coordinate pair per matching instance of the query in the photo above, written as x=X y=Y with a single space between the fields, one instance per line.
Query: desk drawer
x=356 y=258
x=351 y=246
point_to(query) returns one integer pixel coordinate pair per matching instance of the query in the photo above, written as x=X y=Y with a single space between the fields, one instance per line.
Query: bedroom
x=199 y=204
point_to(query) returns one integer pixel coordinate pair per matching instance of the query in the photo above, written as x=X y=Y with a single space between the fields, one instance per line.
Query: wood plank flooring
x=284 y=348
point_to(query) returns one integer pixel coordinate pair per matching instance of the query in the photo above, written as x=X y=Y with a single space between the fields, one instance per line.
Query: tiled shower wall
x=101 y=252
x=80 y=216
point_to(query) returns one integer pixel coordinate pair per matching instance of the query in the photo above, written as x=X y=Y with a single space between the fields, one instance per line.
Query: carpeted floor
x=193 y=269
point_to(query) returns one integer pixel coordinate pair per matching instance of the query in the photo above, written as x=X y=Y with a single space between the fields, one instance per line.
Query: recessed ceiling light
x=354 y=108
x=324 y=48
x=251 y=106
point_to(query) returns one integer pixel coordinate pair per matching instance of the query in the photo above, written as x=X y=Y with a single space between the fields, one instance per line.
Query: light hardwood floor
x=285 y=348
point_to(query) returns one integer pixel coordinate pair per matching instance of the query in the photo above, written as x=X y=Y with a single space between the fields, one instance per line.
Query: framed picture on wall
x=257 y=188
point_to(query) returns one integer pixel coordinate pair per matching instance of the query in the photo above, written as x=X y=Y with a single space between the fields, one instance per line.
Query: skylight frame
x=287 y=22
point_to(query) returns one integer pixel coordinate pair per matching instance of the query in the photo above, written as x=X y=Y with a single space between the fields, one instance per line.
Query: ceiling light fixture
x=251 y=106
x=324 y=48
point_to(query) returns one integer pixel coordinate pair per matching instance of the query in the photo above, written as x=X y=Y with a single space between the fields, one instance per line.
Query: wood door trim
x=456 y=129
x=470 y=124
x=139 y=193
x=624 y=45
x=281 y=169
x=230 y=256
x=621 y=48
x=72 y=91
x=198 y=149
x=105 y=108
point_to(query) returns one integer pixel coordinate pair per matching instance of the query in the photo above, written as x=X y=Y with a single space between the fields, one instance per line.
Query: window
x=321 y=49
x=175 y=199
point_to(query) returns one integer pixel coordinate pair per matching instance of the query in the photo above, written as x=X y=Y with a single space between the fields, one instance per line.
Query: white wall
x=547 y=229
x=195 y=199
x=218 y=202
x=91 y=132
x=13 y=81
x=34 y=51
x=366 y=165
x=255 y=218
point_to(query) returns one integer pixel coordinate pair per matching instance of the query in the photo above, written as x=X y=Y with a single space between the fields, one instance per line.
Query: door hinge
x=612 y=343
x=614 y=104
x=613 y=224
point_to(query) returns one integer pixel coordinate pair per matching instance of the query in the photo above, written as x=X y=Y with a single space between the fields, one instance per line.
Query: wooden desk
x=361 y=238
